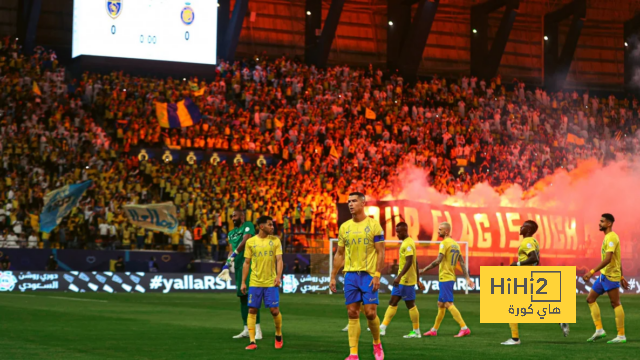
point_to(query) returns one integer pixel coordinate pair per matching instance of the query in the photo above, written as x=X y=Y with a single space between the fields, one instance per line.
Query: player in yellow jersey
x=263 y=255
x=528 y=255
x=609 y=281
x=361 y=251
x=449 y=255
x=404 y=285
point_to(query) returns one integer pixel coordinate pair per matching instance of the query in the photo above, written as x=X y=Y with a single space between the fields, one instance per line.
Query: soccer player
x=404 y=284
x=448 y=257
x=528 y=255
x=263 y=256
x=361 y=251
x=242 y=231
x=609 y=281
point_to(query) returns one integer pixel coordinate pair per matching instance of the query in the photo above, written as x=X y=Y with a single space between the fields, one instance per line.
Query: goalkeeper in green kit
x=242 y=231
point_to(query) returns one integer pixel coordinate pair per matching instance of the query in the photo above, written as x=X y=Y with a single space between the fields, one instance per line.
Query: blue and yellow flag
x=159 y=217
x=59 y=203
x=182 y=114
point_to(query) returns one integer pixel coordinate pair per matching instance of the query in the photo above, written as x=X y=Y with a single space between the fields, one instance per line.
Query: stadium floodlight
x=308 y=12
x=390 y=23
x=475 y=31
x=546 y=38
x=626 y=44
x=423 y=259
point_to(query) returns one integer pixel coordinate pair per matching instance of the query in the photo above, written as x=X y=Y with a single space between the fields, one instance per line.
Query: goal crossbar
x=466 y=252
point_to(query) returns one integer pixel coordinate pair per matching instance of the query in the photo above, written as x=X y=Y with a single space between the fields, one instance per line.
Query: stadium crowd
x=336 y=130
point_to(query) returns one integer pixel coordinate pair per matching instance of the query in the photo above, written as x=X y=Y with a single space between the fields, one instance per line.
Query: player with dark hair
x=404 y=285
x=263 y=255
x=242 y=231
x=528 y=255
x=361 y=251
x=448 y=257
x=609 y=281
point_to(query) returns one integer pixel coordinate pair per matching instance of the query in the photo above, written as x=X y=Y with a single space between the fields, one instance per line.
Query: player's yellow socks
x=441 y=312
x=251 y=324
x=456 y=315
x=374 y=326
x=619 y=320
x=278 y=321
x=354 y=335
x=595 y=315
x=415 y=317
x=391 y=312
x=514 y=331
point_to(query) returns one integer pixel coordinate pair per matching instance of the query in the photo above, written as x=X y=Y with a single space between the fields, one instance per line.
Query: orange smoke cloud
x=588 y=191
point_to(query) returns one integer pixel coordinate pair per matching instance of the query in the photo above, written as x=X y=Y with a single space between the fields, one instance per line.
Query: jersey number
x=455 y=255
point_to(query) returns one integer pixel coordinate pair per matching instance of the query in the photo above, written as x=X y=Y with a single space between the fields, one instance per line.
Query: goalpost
x=426 y=252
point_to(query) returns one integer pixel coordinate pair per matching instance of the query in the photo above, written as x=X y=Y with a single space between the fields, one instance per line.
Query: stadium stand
x=337 y=130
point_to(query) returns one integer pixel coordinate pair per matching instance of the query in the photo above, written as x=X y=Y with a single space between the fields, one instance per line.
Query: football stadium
x=319 y=179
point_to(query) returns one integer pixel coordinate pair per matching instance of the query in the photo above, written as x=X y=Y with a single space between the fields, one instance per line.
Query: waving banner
x=159 y=217
x=58 y=203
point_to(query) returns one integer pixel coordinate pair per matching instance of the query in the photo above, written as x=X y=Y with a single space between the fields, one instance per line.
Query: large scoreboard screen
x=168 y=30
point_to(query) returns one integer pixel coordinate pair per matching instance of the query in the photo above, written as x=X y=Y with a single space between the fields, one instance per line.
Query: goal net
x=426 y=252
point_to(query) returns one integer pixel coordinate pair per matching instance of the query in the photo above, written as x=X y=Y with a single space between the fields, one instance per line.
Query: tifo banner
x=195 y=157
x=491 y=233
x=528 y=294
x=58 y=203
x=161 y=217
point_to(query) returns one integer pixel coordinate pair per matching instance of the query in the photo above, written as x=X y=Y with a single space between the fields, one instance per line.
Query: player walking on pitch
x=448 y=257
x=361 y=251
x=528 y=255
x=242 y=231
x=609 y=281
x=404 y=284
x=264 y=256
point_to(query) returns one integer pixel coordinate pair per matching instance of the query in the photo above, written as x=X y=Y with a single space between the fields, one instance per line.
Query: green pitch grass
x=200 y=326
